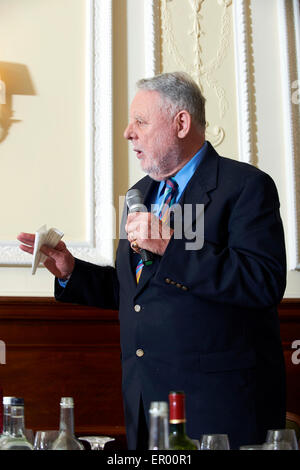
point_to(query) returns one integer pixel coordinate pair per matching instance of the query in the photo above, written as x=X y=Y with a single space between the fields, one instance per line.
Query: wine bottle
x=16 y=440
x=66 y=439
x=159 y=429
x=178 y=438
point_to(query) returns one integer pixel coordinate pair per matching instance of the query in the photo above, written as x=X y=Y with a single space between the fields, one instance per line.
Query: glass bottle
x=178 y=438
x=159 y=428
x=6 y=419
x=66 y=439
x=16 y=439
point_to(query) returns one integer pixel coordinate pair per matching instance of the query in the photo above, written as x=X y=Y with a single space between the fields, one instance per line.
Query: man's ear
x=183 y=122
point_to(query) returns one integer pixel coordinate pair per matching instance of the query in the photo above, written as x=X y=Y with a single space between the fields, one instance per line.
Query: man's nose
x=127 y=132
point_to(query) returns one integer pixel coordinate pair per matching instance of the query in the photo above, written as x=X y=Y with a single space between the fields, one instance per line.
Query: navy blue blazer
x=206 y=320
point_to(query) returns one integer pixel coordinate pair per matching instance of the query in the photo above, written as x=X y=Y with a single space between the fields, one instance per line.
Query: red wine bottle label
x=177 y=407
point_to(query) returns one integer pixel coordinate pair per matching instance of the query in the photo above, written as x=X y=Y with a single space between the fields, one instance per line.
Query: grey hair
x=178 y=91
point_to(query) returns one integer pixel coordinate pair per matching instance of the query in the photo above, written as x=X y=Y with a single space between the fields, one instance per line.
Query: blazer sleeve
x=250 y=269
x=92 y=285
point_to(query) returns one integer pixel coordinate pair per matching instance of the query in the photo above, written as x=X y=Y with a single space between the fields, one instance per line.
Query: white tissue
x=43 y=236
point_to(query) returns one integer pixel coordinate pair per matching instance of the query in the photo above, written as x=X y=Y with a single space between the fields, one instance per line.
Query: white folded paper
x=43 y=236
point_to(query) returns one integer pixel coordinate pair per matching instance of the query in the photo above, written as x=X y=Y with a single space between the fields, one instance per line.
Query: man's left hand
x=145 y=230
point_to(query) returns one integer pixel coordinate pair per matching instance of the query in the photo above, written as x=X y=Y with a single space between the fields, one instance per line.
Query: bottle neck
x=177 y=413
x=6 y=419
x=17 y=421
x=177 y=428
x=66 y=420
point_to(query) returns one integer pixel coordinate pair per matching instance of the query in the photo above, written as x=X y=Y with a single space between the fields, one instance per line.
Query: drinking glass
x=279 y=446
x=97 y=442
x=214 y=442
x=44 y=439
x=257 y=447
x=277 y=436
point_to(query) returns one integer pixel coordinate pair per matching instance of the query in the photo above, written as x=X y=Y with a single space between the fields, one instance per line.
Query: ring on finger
x=134 y=244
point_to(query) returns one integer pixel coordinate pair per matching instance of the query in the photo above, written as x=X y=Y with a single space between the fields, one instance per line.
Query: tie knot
x=172 y=184
x=169 y=197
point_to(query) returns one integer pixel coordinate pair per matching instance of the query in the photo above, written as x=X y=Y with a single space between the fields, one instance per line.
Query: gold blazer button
x=139 y=353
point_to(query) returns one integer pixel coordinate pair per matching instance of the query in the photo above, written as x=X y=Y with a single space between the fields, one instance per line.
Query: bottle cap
x=177 y=407
x=159 y=408
x=17 y=401
x=67 y=402
x=7 y=400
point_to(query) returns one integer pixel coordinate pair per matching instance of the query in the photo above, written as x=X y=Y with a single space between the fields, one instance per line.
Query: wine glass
x=278 y=446
x=97 y=442
x=257 y=447
x=44 y=439
x=280 y=436
x=214 y=442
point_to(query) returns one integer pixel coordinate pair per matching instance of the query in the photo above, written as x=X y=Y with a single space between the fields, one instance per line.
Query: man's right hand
x=60 y=262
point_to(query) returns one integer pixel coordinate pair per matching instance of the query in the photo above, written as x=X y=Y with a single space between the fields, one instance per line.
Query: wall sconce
x=2 y=101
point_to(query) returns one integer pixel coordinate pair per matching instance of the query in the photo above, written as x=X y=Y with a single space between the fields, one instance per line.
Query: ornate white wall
x=245 y=56
x=56 y=157
x=197 y=36
x=68 y=124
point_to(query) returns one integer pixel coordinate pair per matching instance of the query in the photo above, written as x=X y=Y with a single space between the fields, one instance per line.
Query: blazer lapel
x=147 y=273
x=203 y=180
x=196 y=192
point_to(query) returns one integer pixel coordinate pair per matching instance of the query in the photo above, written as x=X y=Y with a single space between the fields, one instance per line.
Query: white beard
x=164 y=167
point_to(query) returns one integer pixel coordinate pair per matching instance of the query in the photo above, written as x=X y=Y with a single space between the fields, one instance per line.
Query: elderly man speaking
x=203 y=320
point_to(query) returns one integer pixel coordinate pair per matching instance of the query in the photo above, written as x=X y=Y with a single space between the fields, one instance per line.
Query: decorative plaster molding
x=288 y=14
x=242 y=58
x=152 y=37
x=170 y=38
x=199 y=71
x=98 y=246
x=210 y=68
x=296 y=12
x=104 y=221
x=216 y=135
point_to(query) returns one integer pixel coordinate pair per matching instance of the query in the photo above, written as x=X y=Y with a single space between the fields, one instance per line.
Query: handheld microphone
x=134 y=201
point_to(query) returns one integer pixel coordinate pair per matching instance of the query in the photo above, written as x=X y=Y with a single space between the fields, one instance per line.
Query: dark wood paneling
x=289 y=316
x=55 y=349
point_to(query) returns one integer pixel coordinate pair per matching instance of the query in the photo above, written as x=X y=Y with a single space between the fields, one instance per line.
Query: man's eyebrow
x=139 y=117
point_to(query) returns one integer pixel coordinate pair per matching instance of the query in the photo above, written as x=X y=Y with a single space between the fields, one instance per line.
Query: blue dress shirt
x=182 y=178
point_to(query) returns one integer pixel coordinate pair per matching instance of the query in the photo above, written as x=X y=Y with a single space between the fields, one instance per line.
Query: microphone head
x=134 y=200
